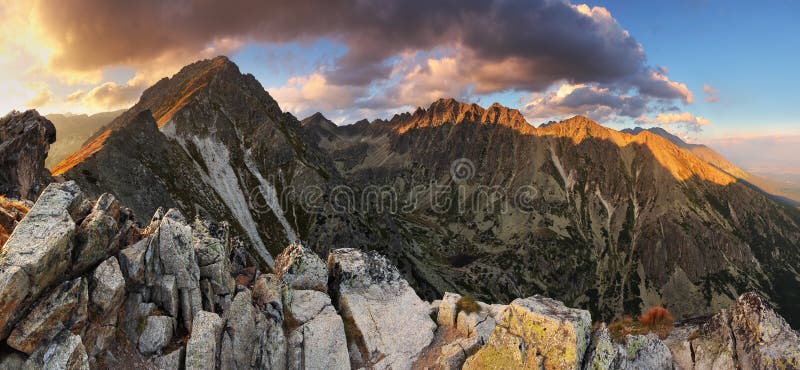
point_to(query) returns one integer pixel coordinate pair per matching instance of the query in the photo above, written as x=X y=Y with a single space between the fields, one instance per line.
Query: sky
x=718 y=72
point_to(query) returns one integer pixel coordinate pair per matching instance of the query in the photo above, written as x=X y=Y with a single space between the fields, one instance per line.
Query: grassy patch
x=467 y=304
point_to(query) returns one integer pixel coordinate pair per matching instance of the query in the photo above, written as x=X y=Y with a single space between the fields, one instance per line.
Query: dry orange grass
x=657 y=320
x=12 y=204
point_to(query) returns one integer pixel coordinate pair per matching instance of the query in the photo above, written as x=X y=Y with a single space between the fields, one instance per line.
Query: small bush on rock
x=467 y=304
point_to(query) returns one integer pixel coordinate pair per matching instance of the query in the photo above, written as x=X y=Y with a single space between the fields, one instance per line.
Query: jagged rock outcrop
x=389 y=324
x=748 y=335
x=134 y=308
x=536 y=332
x=25 y=139
x=607 y=221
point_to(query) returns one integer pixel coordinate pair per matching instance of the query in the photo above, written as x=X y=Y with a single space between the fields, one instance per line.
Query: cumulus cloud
x=596 y=102
x=509 y=44
x=712 y=94
x=43 y=97
x=111 y=95
x=685 y=119
x=307 y=94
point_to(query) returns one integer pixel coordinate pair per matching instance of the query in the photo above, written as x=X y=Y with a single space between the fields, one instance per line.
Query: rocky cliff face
x=600 y=219
x=208 y=141
x=25 y=139
x=98 y=290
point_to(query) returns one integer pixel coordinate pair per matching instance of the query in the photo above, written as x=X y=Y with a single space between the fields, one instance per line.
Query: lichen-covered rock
x=171 y=252
x=57 y=311
x=476 y=324
x=166 y=295
x=134 y=316
x=172 y=360
x=602 y=353
x=267 y=296
x=239 y=335
x=270 y=350
x=453 y=355
x=325 y=344
x=298 y=267
x=544 y=328
x=504 y=350
x=763 y=338
x=204 y=343
x=41 y=246
x=215 y=267
x=157 y=333
x=646 y=352
x=14 y=287
x=319 y=344
x=107 y=287
x=304 y=305
x=95 y=234
x=447 y=314
x=64 y=352
x=389 y=322
x=12 y=361
x=131 y=261
x=25 y=139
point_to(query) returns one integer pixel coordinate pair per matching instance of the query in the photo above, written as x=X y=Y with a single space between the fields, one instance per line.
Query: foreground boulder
x=301 y=269
x=748 y=335
x=163 y=296
x=38 y=252
x=536 y=332
x=202 y=347
x=389 y=324
x=25 y=139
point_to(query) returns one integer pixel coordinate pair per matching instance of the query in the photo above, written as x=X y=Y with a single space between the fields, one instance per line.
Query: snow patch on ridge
x=222 y=178
x=271 y=196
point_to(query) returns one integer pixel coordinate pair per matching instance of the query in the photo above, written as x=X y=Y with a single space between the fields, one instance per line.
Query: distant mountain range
x=462 y=198
x=776 y=189
x=72 y=132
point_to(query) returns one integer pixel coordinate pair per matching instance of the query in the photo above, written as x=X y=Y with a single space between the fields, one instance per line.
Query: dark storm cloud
x=501 y=44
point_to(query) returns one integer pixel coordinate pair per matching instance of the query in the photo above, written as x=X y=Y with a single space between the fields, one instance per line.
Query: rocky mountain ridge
x=703 y=152
x=602 y=220
x=73 y=131
x=627 y=210
x=101 y=291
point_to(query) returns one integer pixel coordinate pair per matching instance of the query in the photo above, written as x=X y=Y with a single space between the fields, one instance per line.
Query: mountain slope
x=462 y=198
x=715 y=159
x=73 y=130
x=212 y=142
x=611 y=221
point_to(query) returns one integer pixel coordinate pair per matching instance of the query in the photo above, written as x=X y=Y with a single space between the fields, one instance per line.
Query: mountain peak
x=452 y=111
x=317 y=120
x=660 y=132
x=170 y=95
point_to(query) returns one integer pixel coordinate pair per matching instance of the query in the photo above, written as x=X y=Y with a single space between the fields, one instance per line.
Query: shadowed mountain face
x=210 y=141
x=461 y=197
x=610 y=221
